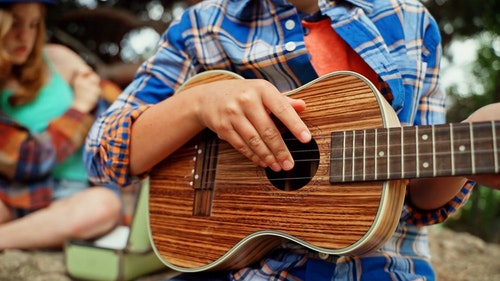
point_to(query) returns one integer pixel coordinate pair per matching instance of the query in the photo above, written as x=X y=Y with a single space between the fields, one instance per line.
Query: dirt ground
x=456 y=256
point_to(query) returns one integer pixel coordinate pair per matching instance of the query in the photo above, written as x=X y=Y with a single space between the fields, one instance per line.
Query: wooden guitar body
x=210 y=208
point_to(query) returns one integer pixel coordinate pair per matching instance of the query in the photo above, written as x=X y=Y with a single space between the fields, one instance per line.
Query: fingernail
x=287 y=165
x=305 y=136
x=275 y=167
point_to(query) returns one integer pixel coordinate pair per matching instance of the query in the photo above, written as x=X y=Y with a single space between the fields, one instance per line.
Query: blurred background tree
x=115 y=36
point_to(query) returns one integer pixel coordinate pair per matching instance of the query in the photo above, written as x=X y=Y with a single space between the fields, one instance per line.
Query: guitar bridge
x=204 y=173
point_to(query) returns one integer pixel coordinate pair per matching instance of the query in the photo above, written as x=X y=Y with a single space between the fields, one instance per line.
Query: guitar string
x=390 y=146
x=370 y=133
x=369 y=175
x=396 y=132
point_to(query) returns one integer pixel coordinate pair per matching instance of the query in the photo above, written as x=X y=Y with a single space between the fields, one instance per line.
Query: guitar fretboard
x=456 y=149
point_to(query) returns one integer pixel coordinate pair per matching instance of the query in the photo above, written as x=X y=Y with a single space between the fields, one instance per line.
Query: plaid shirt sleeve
x=107 y=158
x=29 y=158
x=420 y=217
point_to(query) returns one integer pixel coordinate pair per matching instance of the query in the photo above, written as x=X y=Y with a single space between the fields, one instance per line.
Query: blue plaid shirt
x=398 y=39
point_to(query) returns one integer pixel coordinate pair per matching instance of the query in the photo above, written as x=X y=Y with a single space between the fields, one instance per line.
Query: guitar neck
x=459 y=149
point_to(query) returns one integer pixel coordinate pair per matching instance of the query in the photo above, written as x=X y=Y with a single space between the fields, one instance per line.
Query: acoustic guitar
x=210 y=208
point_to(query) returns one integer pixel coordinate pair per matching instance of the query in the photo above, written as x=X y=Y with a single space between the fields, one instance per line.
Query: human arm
x=435 y=188
x=238 y=111
x=79 y=75
x=486 y=113
x=109 y=144
x=28 y=156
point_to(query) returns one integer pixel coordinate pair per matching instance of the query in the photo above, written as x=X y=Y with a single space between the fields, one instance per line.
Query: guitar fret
x=433 y=140
x=462 y=149
x=495 y=148
x=417 y=158
x=358 y=166
x=472 y=154
x=395 y=155
x=337 y=157
x=388 y=155
x=452 y=149
x=375 y=155
x=426 y=160
x=381 y=154
x=343 y=157
x=364 y=155
x=402 y=155
x=409 y=151
x=353 y=163
x=442 y=147
x=395 y=151
x=370 y=161
x=484 y=139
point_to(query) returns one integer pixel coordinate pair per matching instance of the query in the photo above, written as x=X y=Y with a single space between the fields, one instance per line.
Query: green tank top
x=52 y=101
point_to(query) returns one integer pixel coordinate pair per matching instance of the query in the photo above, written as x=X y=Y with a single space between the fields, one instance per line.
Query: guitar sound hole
x=306 y=157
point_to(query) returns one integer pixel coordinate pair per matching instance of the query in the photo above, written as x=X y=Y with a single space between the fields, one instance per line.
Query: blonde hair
x=32 y=73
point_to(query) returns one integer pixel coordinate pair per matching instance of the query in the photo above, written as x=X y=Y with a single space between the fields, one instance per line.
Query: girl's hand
x=86 y=89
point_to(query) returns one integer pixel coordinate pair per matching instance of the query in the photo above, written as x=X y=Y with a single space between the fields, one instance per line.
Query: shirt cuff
x=415 y=216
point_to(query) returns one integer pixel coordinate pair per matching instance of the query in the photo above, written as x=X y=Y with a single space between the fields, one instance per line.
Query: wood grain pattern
x=249 y=216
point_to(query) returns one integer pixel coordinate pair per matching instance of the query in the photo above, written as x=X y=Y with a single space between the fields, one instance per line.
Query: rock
x=463 y=257
x=16 y=265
